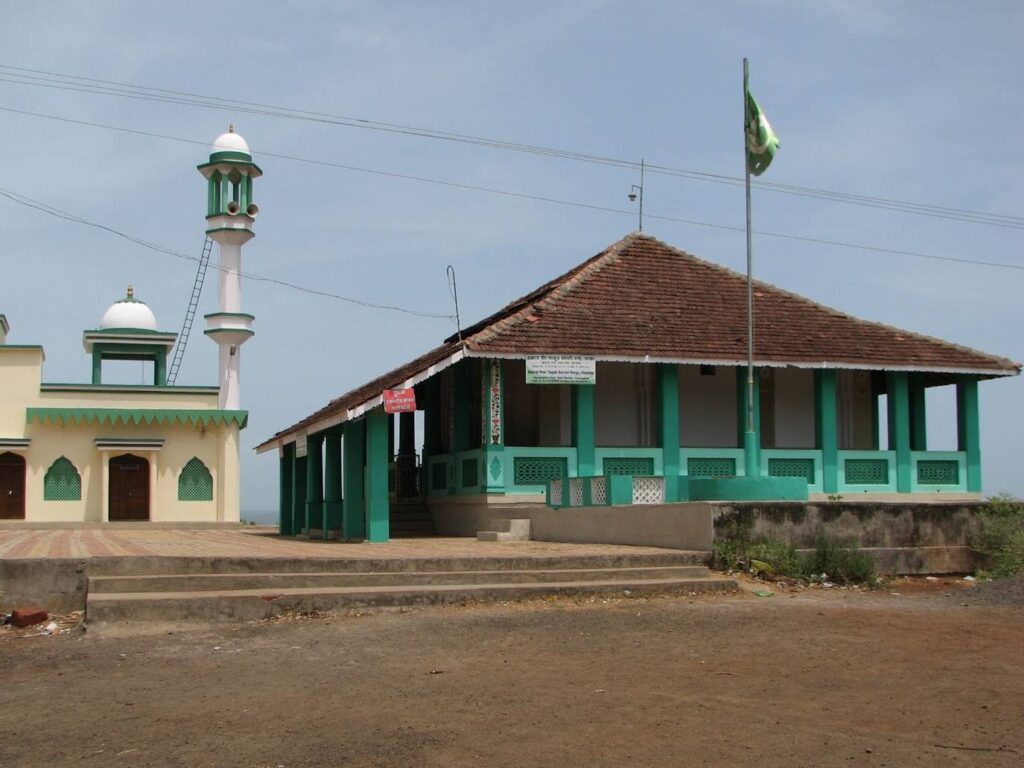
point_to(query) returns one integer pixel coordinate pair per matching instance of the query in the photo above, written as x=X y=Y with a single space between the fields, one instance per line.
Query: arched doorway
x=12 y=486
x=129 y=488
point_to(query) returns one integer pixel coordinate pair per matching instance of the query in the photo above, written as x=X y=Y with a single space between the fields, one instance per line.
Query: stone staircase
x=409 y=520
x=222 y=591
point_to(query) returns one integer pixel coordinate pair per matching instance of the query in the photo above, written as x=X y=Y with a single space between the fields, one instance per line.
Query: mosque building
x=101 y=452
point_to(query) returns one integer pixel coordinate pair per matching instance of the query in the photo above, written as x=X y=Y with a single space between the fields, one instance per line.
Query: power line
x=60 y=81
x=57 y=212
x=536 y=198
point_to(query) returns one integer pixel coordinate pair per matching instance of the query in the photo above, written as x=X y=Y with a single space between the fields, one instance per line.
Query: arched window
x=195 y=483
x=62 y=482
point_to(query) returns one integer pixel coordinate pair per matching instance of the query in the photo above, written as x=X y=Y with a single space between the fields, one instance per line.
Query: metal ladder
x=190 y=314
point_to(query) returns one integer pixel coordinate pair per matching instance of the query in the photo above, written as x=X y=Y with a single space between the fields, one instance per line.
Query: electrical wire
x=57 y=212
x=537 y=198
x=61 y=81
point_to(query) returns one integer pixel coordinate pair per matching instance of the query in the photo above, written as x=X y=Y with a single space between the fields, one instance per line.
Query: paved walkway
x=142 y=542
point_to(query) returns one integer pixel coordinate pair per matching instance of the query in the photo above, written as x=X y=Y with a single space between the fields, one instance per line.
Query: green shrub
x=999 y=540
x=843 y=564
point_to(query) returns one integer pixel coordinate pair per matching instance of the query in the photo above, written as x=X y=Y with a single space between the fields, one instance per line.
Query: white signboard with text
x=561 y=369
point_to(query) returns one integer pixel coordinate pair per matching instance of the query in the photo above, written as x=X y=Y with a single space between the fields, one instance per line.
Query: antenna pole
x=453 y=289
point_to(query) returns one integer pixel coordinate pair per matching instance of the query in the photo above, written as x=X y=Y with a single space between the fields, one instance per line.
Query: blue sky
x=916 y=101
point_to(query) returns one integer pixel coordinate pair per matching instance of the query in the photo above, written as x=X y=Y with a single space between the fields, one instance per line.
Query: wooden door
x=129 y=488
x=12 y=487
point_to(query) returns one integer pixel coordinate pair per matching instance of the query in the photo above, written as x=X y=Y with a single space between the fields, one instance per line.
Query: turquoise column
x=875 y=440
x=298 y=494
x=160 y=369
x=918 y=417
x=583 y=429
x=353 y=514
x=285 y=527
x=969 y=429
x=826 y=437
x=314 y=482
x=668 y=402
x=750 y=442
x=332 y=482
x=899 y=427
x=430 y=392
x=97 y=366
x=460 y=383
x=378 y=508
x=492 y=427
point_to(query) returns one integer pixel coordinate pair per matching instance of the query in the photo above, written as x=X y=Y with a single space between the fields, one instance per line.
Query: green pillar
x=160 y=369
x=460 y=387
x=899 y=427
x=969 y=429
x=668 y=409
x=332 y=482
x=314 y=482
x=285 y=524
x=875 y=440
x=298 y=494
x=583 y=429
x=918 y=419
x=749 y=441
x=353 y=516
x=430 y=391
x=377 y=503
x=826 y=436
x=97 y=366
x=492 y=426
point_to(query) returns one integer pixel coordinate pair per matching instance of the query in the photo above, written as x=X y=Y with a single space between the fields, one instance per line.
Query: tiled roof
x=642 y=299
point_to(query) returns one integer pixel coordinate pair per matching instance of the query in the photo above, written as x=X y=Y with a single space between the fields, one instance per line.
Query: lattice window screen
x=629 y=466
x=538 y=470
x=598 y=490
x=938 y=472
x=867 y=472
x=556 y=493
x=792 y=468
x=648 y=490
x=195 y=483
x=576 y=492
x=62 y=482
x=710 y=467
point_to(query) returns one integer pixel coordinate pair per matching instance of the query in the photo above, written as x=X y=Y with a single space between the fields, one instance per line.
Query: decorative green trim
x=62 y=482
x=854 y=466
x=535 y=483
x=826 y=436
x=230 y=314
x=126 y=416
x=711 y=457
x=22 y=347
x=145 y=388
x=939 y=471
x=231 y=157
x=806 y=464
x=195 y=483
x=969 y=429
x=899 y=427
x=141 y=332
x=214 y=331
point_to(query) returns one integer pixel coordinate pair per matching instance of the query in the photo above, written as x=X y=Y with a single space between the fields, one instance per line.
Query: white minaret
x=229 y=216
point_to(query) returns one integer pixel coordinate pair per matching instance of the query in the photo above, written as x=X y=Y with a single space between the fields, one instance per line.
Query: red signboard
x=399 y=400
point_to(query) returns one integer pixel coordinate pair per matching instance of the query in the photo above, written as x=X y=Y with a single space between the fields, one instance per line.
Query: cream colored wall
x=76 y=443
x=215 y=446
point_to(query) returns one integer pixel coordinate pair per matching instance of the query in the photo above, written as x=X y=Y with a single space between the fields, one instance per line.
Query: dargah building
x=624 y=382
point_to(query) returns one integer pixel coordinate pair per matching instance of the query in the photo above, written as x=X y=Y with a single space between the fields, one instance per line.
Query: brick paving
x=141 y=542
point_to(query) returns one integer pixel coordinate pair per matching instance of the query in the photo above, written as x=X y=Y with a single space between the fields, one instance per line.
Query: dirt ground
x=926 y=677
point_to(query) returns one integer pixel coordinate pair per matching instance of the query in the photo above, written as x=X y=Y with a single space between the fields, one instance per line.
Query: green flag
x=762 y=143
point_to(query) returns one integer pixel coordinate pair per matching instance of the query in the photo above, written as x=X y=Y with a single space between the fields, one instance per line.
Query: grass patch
x=831 y=560
x=999 y=540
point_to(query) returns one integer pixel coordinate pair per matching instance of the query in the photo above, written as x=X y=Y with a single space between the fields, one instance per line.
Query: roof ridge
x=520 y=310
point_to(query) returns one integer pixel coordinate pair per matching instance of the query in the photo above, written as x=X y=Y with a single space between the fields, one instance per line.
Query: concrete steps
x=240 y=596
x=410 y=520
x=506 y=529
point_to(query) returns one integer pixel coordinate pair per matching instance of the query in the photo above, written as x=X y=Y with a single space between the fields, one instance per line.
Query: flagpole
x=749 y=438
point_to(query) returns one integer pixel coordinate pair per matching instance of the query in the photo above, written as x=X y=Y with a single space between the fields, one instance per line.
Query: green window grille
x=710 y=467
x=629 y=466
x=792 y=468
x=538 y=470
x=470 y=473
x=195 y=483
x=867 y=472
x=439 y=476
x=62 y=482
x=938 y=472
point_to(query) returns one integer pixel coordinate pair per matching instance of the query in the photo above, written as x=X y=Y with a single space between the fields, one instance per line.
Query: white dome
x=230 y=142
x=129 y=313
